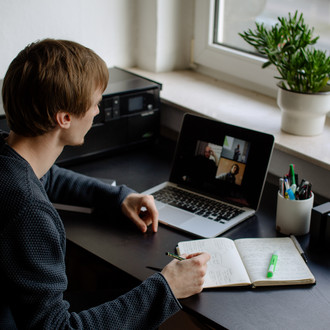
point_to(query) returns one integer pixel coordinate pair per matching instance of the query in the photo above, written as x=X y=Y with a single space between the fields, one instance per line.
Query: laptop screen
x=222 y=161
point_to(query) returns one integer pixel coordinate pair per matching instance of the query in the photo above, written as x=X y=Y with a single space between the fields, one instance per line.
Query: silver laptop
x=217 y=177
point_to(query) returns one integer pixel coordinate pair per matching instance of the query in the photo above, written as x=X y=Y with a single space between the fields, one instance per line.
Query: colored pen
x=299 y=189
x=305 y=189
x=288 y=192
x=292 y=175
x=172 y=255
x=297 y=245
x=272 y=265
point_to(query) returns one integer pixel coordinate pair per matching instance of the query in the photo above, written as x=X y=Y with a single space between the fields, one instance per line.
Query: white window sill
x=193 y=91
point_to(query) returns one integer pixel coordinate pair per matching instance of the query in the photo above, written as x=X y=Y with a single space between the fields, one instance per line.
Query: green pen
x=172 y=255
x=272 y=265
x=293 y=178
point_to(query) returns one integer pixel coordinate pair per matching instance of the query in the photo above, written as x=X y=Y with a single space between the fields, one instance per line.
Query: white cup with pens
x=294 y=205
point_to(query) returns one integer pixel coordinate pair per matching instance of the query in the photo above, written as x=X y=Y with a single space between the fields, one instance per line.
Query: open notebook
x=217 y=177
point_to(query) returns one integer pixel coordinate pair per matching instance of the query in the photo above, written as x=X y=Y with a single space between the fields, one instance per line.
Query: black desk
x=299 y=307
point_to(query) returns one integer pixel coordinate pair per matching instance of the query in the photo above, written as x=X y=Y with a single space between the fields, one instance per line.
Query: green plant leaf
x=288 y=46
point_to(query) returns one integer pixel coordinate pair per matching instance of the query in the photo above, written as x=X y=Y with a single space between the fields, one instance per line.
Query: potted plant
x=304 y=93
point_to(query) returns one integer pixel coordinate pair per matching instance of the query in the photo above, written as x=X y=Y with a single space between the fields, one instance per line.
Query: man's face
x=207 y=152
x=81 y=125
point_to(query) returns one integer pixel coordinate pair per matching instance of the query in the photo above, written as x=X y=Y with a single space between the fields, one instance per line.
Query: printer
x=129 y=115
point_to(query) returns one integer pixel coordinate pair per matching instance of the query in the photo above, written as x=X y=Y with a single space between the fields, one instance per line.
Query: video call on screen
x=225 y=162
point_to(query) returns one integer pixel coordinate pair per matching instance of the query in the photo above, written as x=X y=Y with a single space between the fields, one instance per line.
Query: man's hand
x=141 y=209
x=186 y=277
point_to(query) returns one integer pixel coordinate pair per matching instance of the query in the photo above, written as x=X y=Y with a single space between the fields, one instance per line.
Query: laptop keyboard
x=199 y=205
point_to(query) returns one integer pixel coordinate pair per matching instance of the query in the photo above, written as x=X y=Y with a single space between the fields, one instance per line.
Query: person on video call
x=203 y=167
x=237 y=153
x=51 y=93
x=231 y=175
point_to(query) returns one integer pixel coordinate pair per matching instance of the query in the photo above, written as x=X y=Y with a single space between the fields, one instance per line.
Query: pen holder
x=293 y=217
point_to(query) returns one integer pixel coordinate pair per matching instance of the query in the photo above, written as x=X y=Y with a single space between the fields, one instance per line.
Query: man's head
x=234 y=169
x=47 y=77
x=207 y=151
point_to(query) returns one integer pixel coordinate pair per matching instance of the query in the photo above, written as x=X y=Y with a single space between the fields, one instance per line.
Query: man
x=237 y=153
x=50 y=95
x=231 y=175
x=203 y=167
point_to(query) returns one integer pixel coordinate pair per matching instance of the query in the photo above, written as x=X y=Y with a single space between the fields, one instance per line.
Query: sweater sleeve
x=34 y=250
x=68 y=187
x=144 y=307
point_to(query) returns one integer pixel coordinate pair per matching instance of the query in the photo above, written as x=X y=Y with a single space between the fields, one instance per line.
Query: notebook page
x=256 y=254
x=225 y=267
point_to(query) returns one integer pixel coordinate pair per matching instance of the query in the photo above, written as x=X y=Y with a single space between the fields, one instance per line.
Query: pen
x=154 y=268
x=172 y=255
x=292 y=175
x=297 y=245
x=272 y=265
x=288 y=192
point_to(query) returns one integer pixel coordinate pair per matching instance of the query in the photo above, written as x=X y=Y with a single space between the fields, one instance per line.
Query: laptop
x=217 y=177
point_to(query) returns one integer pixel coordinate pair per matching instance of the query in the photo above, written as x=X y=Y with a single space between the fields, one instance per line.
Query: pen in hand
x=172 y=255
x=157 y=269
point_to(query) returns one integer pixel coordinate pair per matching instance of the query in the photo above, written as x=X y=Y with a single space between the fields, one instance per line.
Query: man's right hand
x=186 y=277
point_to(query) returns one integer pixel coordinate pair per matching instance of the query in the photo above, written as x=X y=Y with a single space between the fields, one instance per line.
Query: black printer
x=129 y=115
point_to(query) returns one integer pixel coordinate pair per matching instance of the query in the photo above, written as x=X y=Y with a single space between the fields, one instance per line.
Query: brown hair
x=49 y=76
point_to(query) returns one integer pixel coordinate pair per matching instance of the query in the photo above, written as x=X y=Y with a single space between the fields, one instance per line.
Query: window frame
x=237 y=67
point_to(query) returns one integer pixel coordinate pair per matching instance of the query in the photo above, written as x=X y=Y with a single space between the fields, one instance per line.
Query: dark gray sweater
x=32 y=253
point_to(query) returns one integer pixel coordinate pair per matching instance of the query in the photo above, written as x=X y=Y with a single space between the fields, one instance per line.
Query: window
x=219 y=47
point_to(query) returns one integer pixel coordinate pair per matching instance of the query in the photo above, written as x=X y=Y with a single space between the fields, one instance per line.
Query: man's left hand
x=141 y=209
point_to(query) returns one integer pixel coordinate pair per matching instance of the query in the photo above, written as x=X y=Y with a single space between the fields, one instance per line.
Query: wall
x=104 y=25
x=164 y=35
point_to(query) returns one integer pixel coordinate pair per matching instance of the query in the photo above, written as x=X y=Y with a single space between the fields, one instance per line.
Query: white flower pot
x=303 y=114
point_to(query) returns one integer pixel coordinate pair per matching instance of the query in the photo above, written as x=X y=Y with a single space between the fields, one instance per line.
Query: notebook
x=217 y=177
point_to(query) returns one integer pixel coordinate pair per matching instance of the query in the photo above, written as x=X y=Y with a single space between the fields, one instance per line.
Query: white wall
x=106 y=26
x=165 y=31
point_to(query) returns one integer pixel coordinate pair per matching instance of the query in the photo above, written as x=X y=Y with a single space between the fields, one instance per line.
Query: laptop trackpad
x=171 y=216
x=202 y=227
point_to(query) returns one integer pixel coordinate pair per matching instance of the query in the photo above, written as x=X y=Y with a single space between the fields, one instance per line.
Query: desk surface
x=293 y=307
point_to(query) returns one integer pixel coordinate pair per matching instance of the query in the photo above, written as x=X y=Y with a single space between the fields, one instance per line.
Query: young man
x=50 y=95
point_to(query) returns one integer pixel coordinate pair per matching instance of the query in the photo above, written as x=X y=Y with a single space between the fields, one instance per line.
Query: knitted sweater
x=32 y=253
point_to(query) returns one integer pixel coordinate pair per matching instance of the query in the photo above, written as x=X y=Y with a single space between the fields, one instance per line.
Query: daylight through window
x=235 y=16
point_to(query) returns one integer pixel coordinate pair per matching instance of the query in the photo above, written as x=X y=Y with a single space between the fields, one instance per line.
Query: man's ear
x=63 y=119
